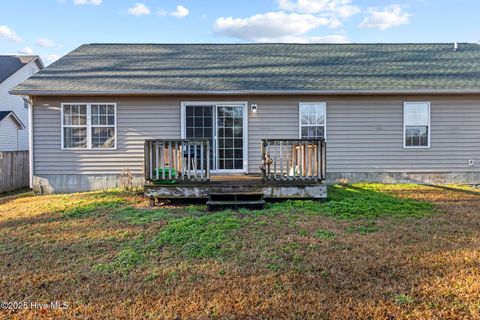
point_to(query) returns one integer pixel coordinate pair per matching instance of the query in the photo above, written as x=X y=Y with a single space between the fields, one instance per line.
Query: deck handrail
x=177 y=159
x=293 y=159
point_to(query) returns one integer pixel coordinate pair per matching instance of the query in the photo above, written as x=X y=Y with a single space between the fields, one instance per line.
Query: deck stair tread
x=232 y=199
x=242 y=193
x=253 y=202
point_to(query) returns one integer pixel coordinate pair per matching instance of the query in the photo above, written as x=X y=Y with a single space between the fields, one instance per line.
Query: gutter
x=238 y=92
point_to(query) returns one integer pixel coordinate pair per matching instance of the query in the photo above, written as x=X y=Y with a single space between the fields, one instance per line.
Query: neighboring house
x=10 y=128
x=14 y=124
x=389 y=112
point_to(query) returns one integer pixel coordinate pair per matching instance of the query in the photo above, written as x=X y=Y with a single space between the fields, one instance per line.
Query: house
x=109 y=113
x=11 y=128
x=14 y=109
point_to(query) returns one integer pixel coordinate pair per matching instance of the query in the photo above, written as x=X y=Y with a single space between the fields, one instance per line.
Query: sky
x=52 y=28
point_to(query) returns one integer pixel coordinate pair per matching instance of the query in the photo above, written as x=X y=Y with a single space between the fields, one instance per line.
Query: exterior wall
x=16 y=103
x=9 y=134
x=364 y=137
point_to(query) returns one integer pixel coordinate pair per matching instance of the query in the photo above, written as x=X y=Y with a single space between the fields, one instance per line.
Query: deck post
x=162 y=159
x=189 y=164
x=182 y=155
x=281 y=159
x=208 y=159
x=195 y=175
x=324 y=162
x=157 y=173
x=202 y=159
x=318 y=161
x=263 y=167
x=145 y=160
x=307 y=159
x=150 y=150
x=275 y=160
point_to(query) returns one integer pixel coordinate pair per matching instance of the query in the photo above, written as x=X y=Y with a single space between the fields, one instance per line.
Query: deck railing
x=173 y=160
x=293 y=159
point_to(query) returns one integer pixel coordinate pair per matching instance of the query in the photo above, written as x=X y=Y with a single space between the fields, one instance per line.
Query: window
x=88 y=126
x=103 y=126
x=416 y=116
x=312 y=120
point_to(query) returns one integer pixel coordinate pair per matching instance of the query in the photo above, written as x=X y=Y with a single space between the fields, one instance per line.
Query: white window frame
x=428 y=124
x=300 y=125
x=88 y=125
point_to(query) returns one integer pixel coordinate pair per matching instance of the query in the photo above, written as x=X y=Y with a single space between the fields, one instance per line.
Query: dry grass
x=386 y=255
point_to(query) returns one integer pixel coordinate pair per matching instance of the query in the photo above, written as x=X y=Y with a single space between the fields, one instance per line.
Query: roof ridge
x=273 y=43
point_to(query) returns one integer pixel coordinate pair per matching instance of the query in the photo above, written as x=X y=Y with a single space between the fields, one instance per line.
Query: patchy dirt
x=108 y=256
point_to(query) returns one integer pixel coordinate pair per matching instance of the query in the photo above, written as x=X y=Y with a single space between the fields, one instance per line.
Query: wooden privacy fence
x=14 y=172
x=172 y=160
x=293 y=159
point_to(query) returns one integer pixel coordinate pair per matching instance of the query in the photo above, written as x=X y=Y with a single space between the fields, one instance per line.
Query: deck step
x=218 y=200
x=218 y=205
x=247 y=193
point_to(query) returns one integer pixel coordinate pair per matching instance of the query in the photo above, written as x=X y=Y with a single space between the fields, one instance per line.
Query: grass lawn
x=370 y=252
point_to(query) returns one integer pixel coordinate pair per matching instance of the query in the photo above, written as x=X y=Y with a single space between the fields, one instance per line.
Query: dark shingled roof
x=4 y=114
x=11 y=64
x=260 y=68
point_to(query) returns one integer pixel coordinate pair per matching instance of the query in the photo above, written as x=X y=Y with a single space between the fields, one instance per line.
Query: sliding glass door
x=223 y=125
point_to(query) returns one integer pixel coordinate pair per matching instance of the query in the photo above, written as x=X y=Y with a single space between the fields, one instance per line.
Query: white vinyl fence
x=14 y=173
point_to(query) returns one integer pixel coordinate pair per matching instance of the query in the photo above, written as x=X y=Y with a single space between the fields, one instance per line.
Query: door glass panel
x=199 y=125
x=230 y=137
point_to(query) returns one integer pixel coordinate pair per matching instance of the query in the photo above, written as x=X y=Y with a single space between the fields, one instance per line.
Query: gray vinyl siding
x=276 y=118
x=137 y=120
x=364 y=133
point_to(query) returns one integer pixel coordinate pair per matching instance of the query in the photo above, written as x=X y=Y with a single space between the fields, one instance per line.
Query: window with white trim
x=416 y=117
x=312 y=120
x=89 y=126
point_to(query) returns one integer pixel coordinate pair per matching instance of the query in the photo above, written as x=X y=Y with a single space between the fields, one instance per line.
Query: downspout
x=30 y=141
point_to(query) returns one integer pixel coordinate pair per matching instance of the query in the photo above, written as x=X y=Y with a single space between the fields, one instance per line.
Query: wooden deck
x=240 y=184
x=180 y=169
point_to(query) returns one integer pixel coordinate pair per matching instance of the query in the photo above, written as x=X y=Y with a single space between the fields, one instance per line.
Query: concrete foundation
x=47 y=184
x=405 y=177
x=62 y=183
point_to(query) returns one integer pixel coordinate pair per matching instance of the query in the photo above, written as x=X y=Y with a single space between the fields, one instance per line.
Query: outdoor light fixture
x=253 y=108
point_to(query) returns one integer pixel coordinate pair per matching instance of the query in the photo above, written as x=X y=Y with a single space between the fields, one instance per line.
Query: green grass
x=139 y=217
x=189 y=232
x=125 y=261
x=369 y=201
x=93 y=204
x=364 y=228
x=357 y=201
x=403 y=299
x=325 y=234
x=201 y=236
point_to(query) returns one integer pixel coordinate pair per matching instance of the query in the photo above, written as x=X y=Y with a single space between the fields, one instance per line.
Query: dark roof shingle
x=11 y=64
x=276 y=68
x=4 y=114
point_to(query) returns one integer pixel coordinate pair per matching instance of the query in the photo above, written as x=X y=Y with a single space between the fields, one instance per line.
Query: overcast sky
x=52 y=28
